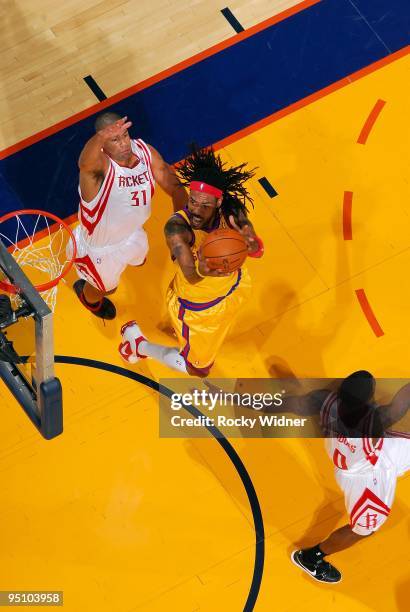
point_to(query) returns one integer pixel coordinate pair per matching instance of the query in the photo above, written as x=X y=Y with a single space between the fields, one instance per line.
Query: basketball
x=224 y=249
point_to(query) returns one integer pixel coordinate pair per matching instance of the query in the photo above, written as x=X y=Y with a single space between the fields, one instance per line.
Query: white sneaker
x=131 y=339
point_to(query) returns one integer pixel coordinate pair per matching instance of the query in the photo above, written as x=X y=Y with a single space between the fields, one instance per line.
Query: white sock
x=167 y=355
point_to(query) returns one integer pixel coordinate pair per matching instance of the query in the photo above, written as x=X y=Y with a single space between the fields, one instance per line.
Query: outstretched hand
x=247 y=232
x=116 y=129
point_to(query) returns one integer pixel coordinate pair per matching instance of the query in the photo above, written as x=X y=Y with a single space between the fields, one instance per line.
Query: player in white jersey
x=117 y=182
x=368 y=458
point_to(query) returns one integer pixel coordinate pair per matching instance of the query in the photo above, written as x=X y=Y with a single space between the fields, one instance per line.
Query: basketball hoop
x=43 y=245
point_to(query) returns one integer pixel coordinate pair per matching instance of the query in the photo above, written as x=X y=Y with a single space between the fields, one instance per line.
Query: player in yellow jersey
x=202 y=303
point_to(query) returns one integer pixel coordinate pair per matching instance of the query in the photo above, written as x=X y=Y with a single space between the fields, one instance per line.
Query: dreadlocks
x=205 y=166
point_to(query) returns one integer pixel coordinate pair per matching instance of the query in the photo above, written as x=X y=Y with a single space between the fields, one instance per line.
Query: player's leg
x=312 y=560
x=93 y=294
x=134 y=251
x=91 y=289
x=368 y=499
x=99 y=275
x=200 y=333
x=342 y=538
x=100 y=270
x=135 y=346
x=203 y=331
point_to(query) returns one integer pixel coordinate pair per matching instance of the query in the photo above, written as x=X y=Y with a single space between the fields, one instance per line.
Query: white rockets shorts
x=102 y=266
x=369 y=495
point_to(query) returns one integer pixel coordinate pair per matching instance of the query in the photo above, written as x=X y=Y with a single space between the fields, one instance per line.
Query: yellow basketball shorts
x=201 y=328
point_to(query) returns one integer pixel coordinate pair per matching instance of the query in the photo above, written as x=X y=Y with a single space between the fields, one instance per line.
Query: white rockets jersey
x=123 y=203
x=355 y=455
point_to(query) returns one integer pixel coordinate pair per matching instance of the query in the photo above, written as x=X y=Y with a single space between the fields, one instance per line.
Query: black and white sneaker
x=320 y=570
x=104 y=309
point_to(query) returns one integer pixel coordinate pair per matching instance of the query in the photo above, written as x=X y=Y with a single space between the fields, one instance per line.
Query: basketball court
x=108 y=512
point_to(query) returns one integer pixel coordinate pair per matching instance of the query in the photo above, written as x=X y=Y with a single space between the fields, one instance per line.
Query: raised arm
x=305 y=405
x=93 y=162
x=397 y=409
x=165 y=176
x=302 y=405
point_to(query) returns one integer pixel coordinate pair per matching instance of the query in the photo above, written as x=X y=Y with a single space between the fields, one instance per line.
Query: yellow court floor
x=122 y=520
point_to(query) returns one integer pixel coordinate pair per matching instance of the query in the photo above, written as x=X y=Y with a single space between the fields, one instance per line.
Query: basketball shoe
x=319 y=569
x=131 y=339
x=104 y=309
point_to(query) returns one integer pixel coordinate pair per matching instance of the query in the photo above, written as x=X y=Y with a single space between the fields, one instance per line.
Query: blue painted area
x=8 y=197
x=220 y=95
x=389 y=20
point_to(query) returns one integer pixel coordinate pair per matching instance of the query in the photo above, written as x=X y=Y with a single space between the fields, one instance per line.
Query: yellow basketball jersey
x=210 y=287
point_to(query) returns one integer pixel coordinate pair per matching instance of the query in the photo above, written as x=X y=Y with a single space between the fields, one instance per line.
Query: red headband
x=205 y=188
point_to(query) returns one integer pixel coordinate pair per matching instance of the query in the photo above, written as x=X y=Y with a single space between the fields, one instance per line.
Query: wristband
x=260 y=250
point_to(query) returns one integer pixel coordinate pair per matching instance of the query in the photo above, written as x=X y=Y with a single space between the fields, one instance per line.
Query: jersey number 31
x=137 y=196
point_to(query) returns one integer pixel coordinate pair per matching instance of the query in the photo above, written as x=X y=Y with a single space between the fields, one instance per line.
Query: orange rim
x=9 y=287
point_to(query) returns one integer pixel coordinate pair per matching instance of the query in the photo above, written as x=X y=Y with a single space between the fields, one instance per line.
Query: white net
x=40 y=251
